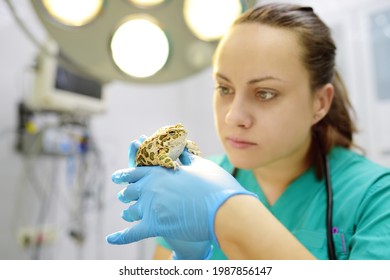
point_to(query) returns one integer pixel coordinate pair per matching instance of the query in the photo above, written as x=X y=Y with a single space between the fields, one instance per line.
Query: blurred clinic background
x=80 y=79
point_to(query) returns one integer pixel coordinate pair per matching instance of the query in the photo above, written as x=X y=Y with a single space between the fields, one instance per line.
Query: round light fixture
x=145 y=56
x=73 y=12
x=139 y=47
x=209 y=20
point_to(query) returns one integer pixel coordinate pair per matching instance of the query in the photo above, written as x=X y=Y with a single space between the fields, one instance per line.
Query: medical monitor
x=57 y=88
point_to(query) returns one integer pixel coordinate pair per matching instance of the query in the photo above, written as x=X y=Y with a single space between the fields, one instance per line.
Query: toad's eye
x=265 y=95
x=223 y=90
x=172 y=132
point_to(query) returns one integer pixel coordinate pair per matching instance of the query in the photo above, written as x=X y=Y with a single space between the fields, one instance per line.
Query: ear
x=323 y=98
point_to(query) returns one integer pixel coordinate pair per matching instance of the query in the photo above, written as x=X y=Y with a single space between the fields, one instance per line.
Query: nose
x=239 y=113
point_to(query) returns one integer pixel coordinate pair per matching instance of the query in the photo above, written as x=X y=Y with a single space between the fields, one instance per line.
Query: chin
x=242 y=162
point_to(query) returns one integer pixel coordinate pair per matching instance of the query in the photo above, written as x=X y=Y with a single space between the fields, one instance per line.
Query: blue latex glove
x=178 y=204
x=186 y=218
x=182 y=250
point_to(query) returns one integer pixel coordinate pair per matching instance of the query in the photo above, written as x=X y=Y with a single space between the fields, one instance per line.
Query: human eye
x=223 y=90
x=265 y=95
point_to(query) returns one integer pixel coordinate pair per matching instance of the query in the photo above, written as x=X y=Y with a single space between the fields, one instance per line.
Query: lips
x=239 y=143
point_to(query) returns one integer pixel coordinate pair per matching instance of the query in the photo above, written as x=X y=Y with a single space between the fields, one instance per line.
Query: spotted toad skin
x=165 y=146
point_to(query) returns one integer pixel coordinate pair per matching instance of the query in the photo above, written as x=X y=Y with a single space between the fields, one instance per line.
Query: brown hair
x=319 y=52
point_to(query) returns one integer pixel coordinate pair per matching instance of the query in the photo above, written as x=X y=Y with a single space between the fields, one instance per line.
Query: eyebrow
x=253 y=81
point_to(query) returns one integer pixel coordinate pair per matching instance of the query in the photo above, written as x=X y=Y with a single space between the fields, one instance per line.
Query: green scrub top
x=361 y=207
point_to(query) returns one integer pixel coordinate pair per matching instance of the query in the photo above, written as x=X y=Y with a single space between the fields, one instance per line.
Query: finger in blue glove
x=133 y=148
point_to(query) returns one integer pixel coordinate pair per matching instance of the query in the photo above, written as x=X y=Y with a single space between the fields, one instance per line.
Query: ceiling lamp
x=209 y=20
x=73 y=12
x=175 y=38
x=140 y=47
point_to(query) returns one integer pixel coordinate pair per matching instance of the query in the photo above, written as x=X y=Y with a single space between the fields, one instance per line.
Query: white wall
x=134 y=110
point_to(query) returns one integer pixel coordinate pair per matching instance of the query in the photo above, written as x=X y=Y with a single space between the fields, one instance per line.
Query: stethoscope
x=329 y=207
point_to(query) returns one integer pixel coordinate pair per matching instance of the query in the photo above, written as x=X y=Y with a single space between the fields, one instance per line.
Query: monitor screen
x=60 y=89
x=68 y=81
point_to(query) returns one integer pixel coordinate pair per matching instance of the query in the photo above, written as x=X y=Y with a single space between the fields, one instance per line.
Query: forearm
x=252 y=232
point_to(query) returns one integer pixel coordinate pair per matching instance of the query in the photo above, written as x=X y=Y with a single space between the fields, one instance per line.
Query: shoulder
x=351 y=166
x=357 y=182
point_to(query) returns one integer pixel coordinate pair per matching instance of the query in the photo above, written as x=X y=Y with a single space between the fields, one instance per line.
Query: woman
x=281 y=112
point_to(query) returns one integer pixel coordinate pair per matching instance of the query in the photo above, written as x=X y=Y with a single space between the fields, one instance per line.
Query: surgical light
x=209 y=20
x=177 y=39
x=139 y=47
x=73 y=12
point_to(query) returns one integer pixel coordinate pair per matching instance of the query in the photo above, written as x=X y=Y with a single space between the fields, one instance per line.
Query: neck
x=276 y=177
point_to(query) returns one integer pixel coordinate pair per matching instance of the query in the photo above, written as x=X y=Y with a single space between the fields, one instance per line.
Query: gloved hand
x=177 y=205
x=182 y=250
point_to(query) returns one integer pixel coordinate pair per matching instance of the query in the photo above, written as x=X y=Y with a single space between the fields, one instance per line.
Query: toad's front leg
x=165 y=161
x=193 y=148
